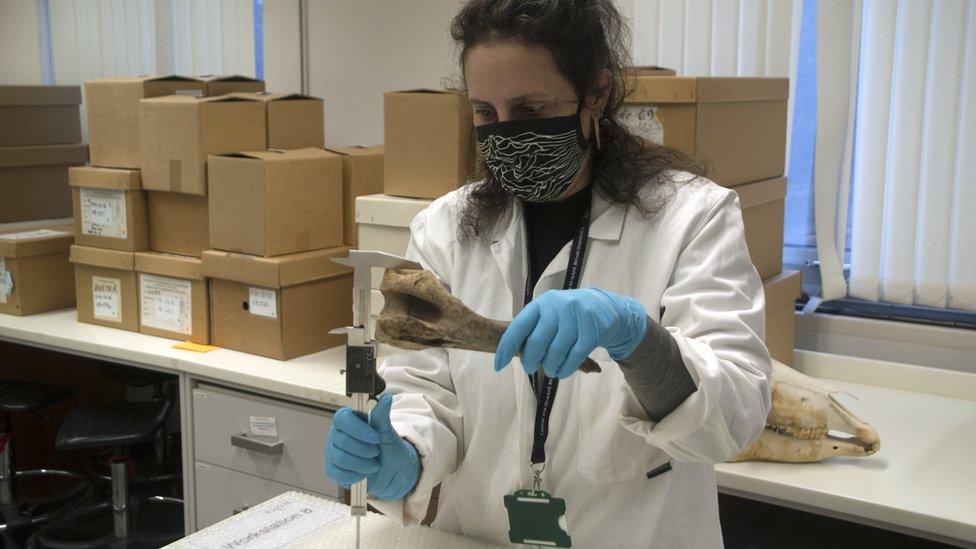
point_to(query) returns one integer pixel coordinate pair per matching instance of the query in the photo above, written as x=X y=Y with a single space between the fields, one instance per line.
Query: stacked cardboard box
x=40 y=134
x=276 y=220
x=137 y=263
x=429 y=141
x=737 y=127
x=35 y=275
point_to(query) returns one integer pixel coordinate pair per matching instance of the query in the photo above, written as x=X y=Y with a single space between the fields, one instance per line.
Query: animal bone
x=797 y=429
x=420 y=313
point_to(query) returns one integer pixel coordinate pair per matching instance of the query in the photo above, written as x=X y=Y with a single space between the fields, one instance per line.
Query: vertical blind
x=717 y=37
x=913 y=233
x=96 y=38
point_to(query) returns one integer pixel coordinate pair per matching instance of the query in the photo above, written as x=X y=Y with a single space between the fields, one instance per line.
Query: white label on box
x=6 y=281
x=106 y=295
x=264 y=426
x=642 y=121
x=263 y=302
x=103 y=213
x=277 y=523
x=189 y=92
x=166 y=303
x=39 y=233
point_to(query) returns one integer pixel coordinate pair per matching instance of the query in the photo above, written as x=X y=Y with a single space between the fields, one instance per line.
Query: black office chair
x=165 y=463
x=127 y=520
x=29 y=499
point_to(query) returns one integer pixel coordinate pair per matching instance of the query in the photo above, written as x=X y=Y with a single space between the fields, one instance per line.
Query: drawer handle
x=271 y=447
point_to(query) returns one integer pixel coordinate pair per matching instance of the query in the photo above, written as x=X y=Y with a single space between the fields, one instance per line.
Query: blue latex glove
x=374 y=451
x=560 y=328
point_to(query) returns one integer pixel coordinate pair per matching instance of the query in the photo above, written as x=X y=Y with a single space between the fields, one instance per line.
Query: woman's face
x=509 y=80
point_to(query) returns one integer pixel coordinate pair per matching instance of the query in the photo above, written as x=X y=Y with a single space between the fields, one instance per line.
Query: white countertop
x=313 y=377
x=923 y=480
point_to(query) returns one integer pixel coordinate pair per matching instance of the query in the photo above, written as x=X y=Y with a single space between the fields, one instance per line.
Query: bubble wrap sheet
x=331 y=527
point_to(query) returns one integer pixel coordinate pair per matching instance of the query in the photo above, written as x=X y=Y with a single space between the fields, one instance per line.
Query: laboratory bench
x=922 y=482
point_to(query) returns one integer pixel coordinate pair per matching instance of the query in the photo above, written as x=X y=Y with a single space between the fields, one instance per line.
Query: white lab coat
x=473 y=427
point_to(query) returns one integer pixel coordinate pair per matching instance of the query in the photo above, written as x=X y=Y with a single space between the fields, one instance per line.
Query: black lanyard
x=547 y=394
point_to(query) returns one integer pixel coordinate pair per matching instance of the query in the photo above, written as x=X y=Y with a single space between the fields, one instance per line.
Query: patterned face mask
x=534 y=159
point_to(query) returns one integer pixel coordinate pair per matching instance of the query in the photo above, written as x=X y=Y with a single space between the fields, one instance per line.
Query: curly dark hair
x=585 y=37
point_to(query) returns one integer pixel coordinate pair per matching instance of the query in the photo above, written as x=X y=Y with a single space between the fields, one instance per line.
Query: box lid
x=227 y=78
x=648 y=70
x=274 y=272
x=41 y=240
x=268 y=97
x=104 y=178
x=393 y=211
x=40 y=95
x=358 y=150
x=783 y=288
x=277 y=155
x=102 y=257
x=426 y=91
x=43 y=155
x=761 y=192
x=702 y=89
x=145 y=78
x=178 y=266
x=194 y=100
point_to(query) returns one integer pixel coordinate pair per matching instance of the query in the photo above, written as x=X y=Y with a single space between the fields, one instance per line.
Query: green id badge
x=536 y=518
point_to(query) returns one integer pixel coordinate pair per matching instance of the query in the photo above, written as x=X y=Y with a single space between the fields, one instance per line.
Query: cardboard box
x=362 y=175
x=174 y=300
x=276 y=202
x=294 y=121
x=648 y=70
x=782 y=291
x=429 y=140
x=178 y=132
x=107 y=291
x=109 y=208
x=34 y=181
x=39 y=115
x=230 y=83
x=763 y=206
x=279 y=307
x=112 y=105
x=178 y=223
x=383 y=222
x=737 y=126
x=35 y=274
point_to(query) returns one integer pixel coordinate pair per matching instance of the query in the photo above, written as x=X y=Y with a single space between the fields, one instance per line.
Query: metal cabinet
x=248 y=448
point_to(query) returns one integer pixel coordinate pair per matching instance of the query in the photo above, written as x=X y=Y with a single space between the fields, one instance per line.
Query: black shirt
x=549 y=226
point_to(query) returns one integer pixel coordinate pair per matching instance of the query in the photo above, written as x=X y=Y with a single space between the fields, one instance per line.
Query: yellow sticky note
x=195 y=347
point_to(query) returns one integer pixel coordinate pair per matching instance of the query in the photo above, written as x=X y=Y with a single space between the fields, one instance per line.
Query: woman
x=632 y=258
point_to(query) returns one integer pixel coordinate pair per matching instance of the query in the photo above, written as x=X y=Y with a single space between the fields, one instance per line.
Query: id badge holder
x=536 y=518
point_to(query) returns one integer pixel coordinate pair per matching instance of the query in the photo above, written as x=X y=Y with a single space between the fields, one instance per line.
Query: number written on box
x=105 y=298
x=263 y=302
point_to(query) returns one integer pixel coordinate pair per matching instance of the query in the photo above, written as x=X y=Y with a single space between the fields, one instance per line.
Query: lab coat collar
x=509 y=244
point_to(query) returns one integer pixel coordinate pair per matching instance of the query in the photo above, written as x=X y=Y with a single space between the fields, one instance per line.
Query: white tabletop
x=923 y=480
x=313 y=377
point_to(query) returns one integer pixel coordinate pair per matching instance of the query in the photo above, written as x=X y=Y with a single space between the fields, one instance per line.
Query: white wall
x=282 y=47
x=20 y=56
x=360 y=48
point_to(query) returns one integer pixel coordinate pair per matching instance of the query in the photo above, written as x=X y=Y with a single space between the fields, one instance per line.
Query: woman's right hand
x=372 y=450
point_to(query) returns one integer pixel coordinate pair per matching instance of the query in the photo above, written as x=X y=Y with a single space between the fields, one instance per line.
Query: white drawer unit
x=264 y=437
x=221 y=492
x=383 y=221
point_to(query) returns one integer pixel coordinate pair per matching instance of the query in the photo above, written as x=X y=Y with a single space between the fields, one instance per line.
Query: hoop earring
x=596 y=131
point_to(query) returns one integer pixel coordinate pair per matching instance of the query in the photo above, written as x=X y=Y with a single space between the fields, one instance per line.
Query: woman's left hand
x=560 y=328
